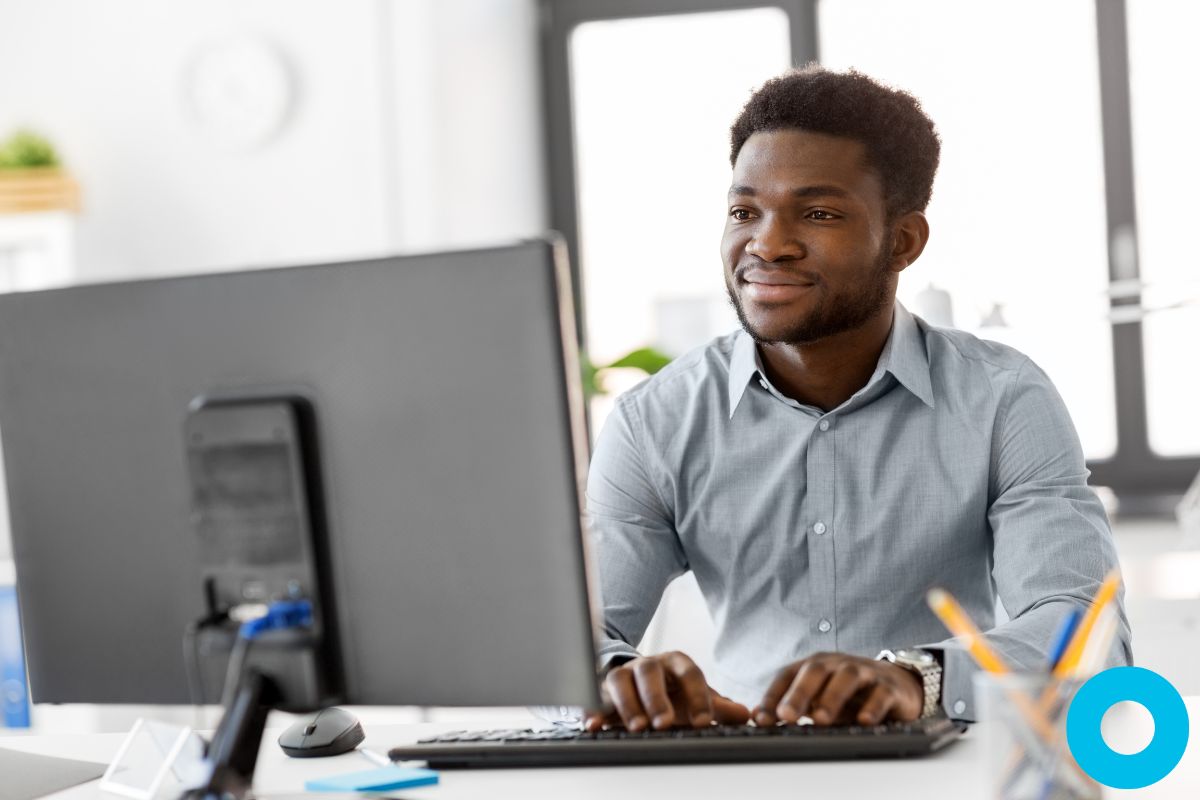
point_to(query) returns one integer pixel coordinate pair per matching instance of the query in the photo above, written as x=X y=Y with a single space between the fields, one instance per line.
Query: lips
x=773 y=286
x=768 y=277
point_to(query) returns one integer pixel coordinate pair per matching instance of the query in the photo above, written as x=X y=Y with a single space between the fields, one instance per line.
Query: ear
x=910 y=232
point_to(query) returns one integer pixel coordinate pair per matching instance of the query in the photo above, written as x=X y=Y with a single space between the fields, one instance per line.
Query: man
x=824 y=467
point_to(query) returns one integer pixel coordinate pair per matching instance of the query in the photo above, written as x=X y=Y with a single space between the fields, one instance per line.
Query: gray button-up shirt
x=955 y=466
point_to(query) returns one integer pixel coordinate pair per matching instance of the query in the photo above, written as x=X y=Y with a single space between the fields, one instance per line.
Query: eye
x=822 y=215
x=740 y=214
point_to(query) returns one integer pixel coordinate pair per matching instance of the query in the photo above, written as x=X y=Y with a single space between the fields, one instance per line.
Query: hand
x=662 y=691
x=836 y=688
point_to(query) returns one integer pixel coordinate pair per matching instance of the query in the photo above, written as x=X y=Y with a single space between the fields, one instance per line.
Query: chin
x=773 y=330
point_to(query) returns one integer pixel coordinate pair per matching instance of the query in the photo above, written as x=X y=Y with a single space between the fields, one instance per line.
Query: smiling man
x=825 y=466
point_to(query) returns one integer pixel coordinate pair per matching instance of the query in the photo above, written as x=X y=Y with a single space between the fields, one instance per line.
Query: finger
x=651 y=682
x=764 y=713
x=877 y=705
x=729 y=712
x=693 y=692
x=624 y=696
x=808 y=683
x=596 y=720
x=846 y=681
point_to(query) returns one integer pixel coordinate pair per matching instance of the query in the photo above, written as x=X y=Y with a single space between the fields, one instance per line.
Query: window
x=1162 y=60
x=652 y=99
x=1052 y=114
x=1017 y=220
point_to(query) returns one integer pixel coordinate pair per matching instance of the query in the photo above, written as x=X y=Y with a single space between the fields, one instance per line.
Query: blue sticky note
x=374 y=780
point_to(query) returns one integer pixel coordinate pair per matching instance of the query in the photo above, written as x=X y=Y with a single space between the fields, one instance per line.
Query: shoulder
x=980 y=379
x=690 y=384
x=950 y=348
x=963 y=364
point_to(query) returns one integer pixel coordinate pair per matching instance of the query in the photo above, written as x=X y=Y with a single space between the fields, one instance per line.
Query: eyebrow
x=802 y=193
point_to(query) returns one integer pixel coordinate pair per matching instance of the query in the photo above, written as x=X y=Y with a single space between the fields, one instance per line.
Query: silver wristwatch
x=928 y=670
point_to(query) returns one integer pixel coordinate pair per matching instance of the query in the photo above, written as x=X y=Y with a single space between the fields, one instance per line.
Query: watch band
x=927 y=668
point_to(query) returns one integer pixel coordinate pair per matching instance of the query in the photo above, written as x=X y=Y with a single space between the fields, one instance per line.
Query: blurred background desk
x=955 y=771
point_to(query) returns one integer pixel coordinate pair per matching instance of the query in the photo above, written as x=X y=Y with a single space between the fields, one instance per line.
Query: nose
x=773 y=241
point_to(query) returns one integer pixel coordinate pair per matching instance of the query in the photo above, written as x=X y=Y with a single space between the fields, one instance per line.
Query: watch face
x=919 y=656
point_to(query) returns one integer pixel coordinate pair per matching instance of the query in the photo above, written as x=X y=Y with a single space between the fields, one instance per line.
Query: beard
x=832 y=314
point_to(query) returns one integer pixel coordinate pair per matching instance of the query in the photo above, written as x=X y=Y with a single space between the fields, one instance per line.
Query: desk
x=954 y=772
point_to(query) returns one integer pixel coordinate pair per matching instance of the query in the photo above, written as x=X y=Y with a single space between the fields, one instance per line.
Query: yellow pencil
x=1104 y=595
x=956 y=620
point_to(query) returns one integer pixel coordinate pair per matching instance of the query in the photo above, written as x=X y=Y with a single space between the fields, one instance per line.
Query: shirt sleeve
x=1051 y=542
x=634 y=541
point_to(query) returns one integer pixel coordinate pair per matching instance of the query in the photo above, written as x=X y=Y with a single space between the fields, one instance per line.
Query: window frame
x=1144 y=481
x=558 y=19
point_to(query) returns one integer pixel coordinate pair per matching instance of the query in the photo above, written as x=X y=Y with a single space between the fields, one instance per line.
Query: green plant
x=647 y=359
x=26 y=149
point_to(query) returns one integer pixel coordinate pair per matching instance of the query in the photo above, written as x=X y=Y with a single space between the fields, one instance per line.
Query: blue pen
x=1062 y=638
x=1058 y=646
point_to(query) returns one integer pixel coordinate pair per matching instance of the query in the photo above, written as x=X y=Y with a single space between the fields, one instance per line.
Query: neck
x=827 y=372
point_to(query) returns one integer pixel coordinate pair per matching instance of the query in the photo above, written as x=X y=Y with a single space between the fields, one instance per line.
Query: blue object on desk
x=1066 y=629
x=374 y=780
x=14 y=692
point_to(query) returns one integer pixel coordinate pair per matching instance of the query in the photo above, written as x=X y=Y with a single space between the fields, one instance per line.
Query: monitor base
x=233 y=751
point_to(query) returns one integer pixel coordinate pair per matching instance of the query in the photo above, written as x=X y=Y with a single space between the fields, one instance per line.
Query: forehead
x=787 y=160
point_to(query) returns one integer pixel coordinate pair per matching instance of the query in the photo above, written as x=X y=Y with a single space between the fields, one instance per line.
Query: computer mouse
x=330 y=732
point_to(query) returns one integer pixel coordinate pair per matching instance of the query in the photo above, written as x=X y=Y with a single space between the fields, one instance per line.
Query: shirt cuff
x=958 y=695
x=610 y=661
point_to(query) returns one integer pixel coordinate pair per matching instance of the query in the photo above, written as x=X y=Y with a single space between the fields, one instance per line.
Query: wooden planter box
x=42 y=189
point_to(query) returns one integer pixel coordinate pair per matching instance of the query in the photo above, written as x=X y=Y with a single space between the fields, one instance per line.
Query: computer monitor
x=438 y=401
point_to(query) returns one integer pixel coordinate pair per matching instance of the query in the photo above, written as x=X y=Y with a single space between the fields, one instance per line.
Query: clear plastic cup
x=1024 y=718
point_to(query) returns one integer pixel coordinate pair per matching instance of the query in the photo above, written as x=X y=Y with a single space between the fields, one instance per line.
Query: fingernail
x=821 y=716
x=786 y=712
x=763 y=718
x=637 y=723
x=662 y=721
x=702 y=719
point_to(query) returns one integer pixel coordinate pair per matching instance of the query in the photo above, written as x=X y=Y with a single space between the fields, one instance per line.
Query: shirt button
x=819 y=528
x=823 y=425
x=960 y=706
x=824 y=625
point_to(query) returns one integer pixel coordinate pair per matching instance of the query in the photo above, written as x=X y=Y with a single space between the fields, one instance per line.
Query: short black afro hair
x=901 y=142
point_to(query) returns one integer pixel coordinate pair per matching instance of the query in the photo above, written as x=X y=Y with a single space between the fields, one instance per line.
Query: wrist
x=926 y=672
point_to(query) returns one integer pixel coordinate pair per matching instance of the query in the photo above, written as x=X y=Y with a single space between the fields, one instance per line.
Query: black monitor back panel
x=449 y=427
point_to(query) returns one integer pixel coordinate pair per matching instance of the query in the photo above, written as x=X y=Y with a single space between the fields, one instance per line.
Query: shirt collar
x=743 y=365
x=904 y=356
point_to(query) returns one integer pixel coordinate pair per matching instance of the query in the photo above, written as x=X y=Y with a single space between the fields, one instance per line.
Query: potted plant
x=647 y=359
x=31 y=177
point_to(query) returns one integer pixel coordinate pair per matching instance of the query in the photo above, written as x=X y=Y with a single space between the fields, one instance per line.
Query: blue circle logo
x=1136 y=770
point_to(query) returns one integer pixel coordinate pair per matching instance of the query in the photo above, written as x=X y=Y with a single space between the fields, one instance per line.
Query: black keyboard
x=565 y=747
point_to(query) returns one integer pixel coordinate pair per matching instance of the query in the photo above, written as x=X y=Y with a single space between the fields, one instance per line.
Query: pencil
x=956 y=620
x=1098 y=646
x=1104 y=595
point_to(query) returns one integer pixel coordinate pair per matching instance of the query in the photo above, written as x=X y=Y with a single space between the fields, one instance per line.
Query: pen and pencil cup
x=1024 y=738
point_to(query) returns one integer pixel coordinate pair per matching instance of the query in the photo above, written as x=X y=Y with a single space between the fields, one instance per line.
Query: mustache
x=739 y=271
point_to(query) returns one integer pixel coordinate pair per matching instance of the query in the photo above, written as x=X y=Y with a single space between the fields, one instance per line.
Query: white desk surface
x=955 y=772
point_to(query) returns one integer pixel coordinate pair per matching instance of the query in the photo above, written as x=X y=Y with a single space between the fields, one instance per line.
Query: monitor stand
x=253 y=458
x=233 y=751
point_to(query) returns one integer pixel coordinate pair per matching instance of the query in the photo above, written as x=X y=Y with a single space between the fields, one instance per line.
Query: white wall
x=413 y=125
